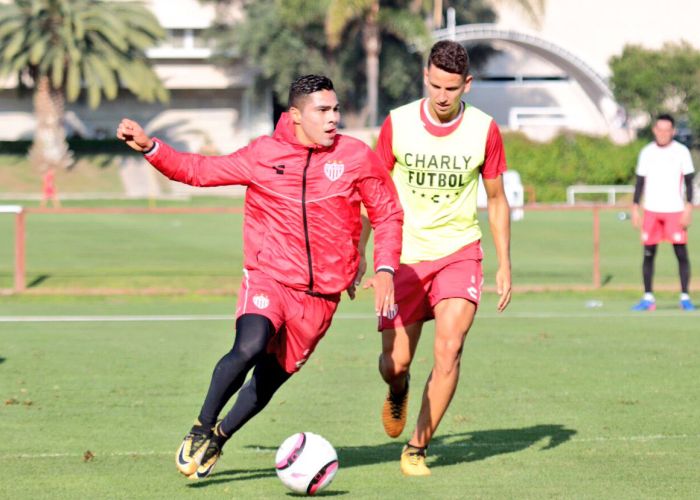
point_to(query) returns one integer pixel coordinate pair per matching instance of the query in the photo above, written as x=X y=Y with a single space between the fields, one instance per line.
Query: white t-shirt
x=663 y=169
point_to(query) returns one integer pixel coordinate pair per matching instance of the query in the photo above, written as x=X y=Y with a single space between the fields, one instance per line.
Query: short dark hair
x=666 y=117
x=449 y=56
x=305 y=85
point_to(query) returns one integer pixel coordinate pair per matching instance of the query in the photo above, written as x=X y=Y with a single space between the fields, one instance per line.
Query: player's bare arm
x=133 y=134
x=499 y=221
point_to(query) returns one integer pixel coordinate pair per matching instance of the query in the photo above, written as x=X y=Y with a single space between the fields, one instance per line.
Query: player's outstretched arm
x=188 y=168
x=135 y=137
x=499 y=221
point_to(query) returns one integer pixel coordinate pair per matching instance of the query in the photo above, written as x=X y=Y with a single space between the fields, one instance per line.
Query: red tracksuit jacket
x=302 y=207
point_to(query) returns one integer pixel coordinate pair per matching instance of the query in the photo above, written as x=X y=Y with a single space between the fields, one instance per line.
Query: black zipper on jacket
x=306 y=223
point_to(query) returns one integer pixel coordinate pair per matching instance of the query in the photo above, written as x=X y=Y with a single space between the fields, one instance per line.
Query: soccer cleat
x=687 y=305
x=413 y=461
x=189 y=455
x=645 y=305
x=394 y=411
x=209 y=459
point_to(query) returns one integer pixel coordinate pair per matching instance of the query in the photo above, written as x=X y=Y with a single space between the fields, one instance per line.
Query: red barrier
x=20 y=222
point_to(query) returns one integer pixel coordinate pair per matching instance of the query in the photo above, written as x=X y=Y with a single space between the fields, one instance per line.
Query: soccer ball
x=306 y=463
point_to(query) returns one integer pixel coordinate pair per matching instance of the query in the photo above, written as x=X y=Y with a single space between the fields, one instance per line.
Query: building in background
x=212 y=107
x=553 y=74
x=545 y=76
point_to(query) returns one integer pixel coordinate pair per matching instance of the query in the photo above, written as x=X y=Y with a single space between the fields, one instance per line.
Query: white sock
x=649 y=297
x=685 y=296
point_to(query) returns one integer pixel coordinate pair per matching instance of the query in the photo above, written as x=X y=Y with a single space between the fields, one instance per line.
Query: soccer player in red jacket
x=302 y=227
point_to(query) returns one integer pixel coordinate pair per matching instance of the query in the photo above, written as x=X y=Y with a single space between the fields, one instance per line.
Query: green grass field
x=556 y=401
x=188 y=252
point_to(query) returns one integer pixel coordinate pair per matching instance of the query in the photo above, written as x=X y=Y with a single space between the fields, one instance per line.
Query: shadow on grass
x=229 y=475
x=464 y=447
x=38 y=280
x=445 y=450
x=2 y=360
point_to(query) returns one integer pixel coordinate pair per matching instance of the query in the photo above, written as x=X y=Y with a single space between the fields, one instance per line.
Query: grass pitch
x=556 y=400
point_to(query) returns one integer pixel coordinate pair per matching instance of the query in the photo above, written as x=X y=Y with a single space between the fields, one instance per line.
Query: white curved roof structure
x=590 y=81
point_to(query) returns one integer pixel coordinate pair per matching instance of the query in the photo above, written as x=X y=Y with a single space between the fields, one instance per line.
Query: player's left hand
x=383 y=284
x=503 y=287
x=361 y=270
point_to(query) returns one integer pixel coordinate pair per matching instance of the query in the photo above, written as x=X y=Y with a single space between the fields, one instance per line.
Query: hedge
x=549 y=168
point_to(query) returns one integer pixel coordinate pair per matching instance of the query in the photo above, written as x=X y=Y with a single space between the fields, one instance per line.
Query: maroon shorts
x=300 y=320
x=420 y=286
x=660 y=226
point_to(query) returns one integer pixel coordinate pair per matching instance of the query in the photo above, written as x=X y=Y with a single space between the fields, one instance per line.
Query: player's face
x=663 y=131
x=445 y=92
x=317 y=118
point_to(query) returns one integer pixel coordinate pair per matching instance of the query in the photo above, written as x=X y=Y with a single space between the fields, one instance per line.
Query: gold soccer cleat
x=413 y=461
x=209 y=459
x=394 y=411
x=189 y=454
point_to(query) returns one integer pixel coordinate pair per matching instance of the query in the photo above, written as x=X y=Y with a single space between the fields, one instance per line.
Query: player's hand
x=503 y=287
x=361 y=270
x=383 y=284
x=635 y=217
x=133 y=134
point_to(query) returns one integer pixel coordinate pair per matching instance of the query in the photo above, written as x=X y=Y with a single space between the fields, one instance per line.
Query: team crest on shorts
x=334 y=169
x=261 y=301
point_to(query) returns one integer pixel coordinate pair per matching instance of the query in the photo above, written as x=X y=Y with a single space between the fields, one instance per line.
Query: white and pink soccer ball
x=306 y=463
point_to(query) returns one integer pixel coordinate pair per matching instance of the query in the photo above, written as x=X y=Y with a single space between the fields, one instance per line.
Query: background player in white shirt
x=663 y=168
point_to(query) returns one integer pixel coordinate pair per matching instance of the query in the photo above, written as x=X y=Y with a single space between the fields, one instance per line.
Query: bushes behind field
x=549 y=168
x=545 y=168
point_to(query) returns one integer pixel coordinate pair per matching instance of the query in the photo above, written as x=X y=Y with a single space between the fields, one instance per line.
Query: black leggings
x=253 y=332
x=681 y=252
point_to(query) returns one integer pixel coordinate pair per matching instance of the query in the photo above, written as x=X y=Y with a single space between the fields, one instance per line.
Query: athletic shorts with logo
x=300 y=320
x=663 y=226
x=419 y=287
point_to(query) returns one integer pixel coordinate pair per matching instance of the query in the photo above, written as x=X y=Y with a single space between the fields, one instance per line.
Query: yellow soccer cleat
x=189 y=454
x=209 y=459
x=413 y=461
x=394 y=412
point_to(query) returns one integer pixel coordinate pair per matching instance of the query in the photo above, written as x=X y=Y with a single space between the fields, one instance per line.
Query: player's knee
x=253 y=332
x=681 y=252
x=448 y=354
x=392 y=367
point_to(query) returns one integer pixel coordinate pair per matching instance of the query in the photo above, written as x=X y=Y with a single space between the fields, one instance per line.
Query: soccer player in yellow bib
x=436 y=148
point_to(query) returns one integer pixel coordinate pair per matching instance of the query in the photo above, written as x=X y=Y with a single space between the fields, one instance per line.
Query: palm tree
x=406 y=24
x=60 y=47
x=402 y=19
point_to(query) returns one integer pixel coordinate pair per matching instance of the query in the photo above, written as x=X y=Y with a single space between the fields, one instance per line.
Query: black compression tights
x=681 y=252
x=683 y=266
x=253 y=332
x=648 y=267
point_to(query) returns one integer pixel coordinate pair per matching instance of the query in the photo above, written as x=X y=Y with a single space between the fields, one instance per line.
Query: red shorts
x=300 y=320
x=663 y=226
x=420 y=286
